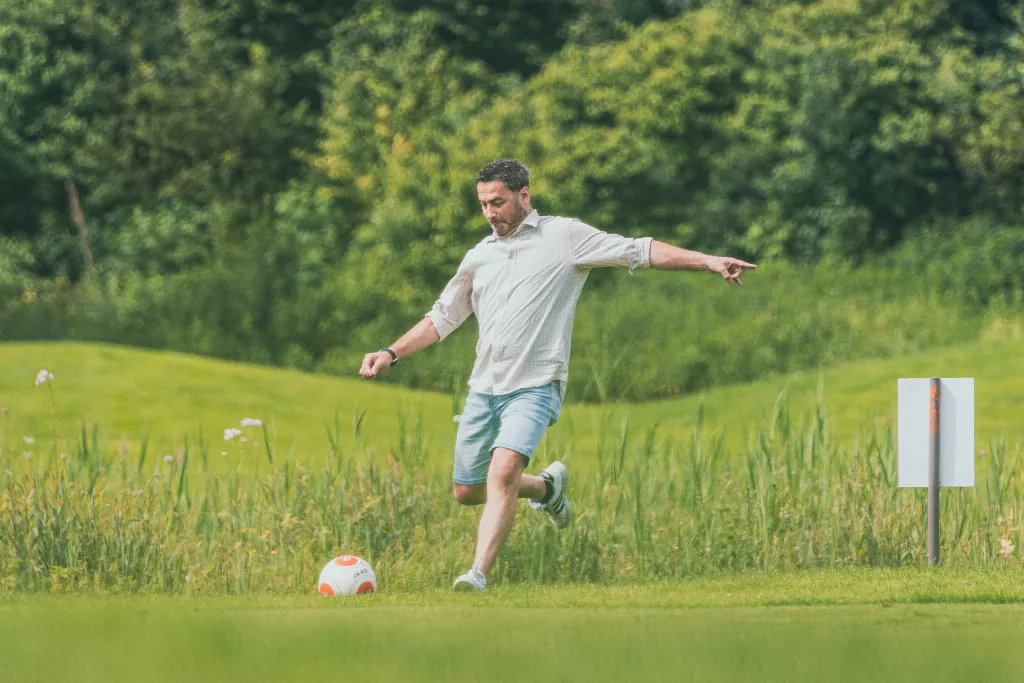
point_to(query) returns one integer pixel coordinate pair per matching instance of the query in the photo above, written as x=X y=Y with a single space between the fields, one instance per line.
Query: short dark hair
x=509 y=171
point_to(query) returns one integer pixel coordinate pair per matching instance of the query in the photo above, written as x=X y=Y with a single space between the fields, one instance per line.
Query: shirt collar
x=532 y=220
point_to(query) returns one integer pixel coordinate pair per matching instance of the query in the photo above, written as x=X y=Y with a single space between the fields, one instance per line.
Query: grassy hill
x=130 y=393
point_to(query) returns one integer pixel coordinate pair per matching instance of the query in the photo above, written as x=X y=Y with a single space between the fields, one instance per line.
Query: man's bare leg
x=504 y=487
x=530 y=486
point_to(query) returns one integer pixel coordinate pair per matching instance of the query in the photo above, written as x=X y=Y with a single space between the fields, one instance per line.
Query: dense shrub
x=652 y=335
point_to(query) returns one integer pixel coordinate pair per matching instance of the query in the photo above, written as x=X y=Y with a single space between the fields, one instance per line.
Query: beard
x=503 y=227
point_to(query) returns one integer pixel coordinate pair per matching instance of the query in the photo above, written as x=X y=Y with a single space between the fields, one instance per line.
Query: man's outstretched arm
x=666 y=257
x=593 y=248
x=422 y=335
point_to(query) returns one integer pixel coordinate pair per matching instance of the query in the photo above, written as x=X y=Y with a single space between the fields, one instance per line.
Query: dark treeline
x=291 y=182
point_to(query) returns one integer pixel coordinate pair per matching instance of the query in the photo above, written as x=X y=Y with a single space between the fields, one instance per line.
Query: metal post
x=933 y=471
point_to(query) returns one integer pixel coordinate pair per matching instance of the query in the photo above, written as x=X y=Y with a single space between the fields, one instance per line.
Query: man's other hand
x=374 y=363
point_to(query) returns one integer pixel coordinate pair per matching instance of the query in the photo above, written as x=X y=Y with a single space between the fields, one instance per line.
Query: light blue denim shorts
x=516 y=421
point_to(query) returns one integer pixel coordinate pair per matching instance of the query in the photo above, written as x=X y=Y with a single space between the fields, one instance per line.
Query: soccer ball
x=347 y=575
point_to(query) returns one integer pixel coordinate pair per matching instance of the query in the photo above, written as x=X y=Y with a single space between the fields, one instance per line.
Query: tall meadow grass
x=97 y=519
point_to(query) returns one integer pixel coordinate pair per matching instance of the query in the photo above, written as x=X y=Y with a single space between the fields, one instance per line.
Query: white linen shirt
x=523 y=290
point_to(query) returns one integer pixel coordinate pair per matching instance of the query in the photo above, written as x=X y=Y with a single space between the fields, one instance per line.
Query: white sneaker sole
x=562 y=521
x=465 y=585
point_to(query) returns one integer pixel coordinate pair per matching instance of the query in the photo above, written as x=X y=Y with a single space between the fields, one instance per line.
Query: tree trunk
x=78 y=218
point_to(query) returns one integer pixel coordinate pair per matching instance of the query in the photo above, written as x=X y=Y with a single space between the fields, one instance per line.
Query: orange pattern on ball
x=346 y=560
x=365 y=587
x=325 y=589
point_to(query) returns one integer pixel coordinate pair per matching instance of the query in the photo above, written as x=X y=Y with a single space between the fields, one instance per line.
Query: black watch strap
x=394 y=356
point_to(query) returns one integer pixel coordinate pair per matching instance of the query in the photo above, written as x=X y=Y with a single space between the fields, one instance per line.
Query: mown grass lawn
x=859 y=625
x=130 y=392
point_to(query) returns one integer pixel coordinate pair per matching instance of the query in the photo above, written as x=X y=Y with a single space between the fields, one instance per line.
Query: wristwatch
x=394 y=356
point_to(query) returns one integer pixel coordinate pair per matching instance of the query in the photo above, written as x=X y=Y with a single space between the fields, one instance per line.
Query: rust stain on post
x=933 y=408
x=934 y=394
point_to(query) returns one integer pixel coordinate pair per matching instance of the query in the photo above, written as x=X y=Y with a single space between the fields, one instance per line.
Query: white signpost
x=935 y=441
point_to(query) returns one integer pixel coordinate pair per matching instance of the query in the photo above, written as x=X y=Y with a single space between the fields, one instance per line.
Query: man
x=522 y=282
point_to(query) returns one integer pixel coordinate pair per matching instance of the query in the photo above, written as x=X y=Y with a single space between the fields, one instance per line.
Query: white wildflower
x=243 y=439
x=168 y=458
x=63 y=456
x=223 y=452
x=4 y=410
x=1005 y=548
x=29 y=440
x=231 y=433
x=43 y=376
x=456 y=419
x=251 y=422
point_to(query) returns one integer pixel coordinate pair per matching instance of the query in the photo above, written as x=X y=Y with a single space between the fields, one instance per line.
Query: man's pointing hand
x=728 y=267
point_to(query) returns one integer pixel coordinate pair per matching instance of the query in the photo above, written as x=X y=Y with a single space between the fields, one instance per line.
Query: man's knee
x=506 y=469
x=470 y=494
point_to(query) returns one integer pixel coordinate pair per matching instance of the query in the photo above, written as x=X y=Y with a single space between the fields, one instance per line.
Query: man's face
x=503 y=208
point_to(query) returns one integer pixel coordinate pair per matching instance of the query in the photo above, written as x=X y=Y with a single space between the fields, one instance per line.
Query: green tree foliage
x=290 y=30
x=836 y=144
x=138 y=103
x=797 y=131
x=291 y=182
x=990 y=22
x=297 y=32
x=601 y=21
x=508 y=36
x=393 y=152
x=622 y=135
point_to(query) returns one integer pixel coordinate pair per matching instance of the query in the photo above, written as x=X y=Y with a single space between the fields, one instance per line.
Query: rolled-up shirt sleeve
x=455 y=303
x=593 y=248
